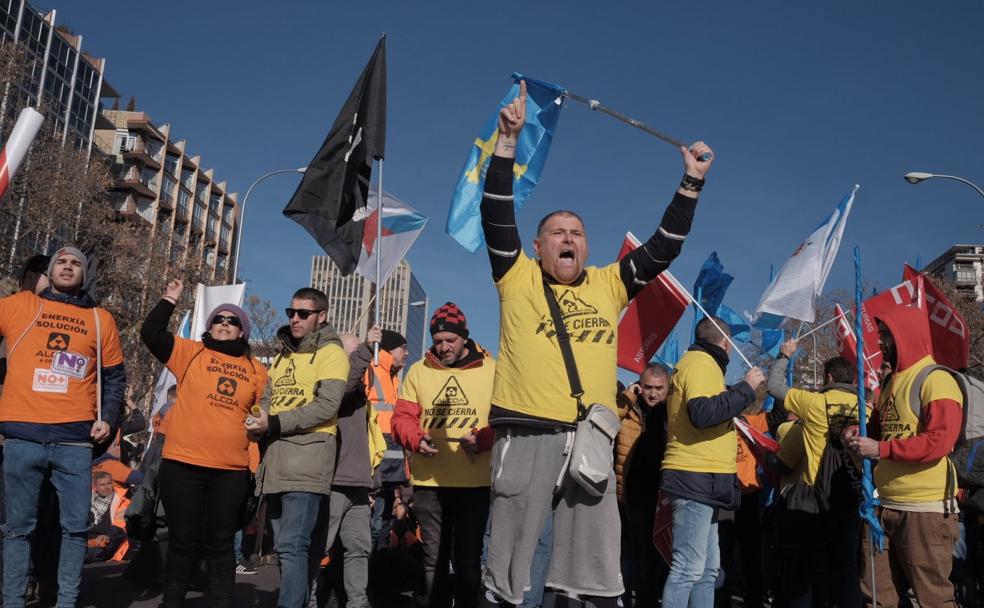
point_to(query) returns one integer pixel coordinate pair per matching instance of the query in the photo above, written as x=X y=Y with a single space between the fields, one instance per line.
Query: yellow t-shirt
x=293 y=379
x=453 y=401
x=530 y=375
x=814 y=409
x=792 y=449
x=688 y=448
x=912 y=481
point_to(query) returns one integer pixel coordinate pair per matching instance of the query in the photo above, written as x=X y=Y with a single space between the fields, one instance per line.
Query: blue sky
x=799 y=100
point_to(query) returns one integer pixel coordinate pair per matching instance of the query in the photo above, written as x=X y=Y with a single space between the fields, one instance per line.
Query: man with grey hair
x=700 y=466
x=639 y=449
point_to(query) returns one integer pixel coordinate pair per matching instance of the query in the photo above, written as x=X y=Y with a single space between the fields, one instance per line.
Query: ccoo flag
x=402 y=224
x=330 y=202
x=543 y=105
x=650 y=317
x=793 y=292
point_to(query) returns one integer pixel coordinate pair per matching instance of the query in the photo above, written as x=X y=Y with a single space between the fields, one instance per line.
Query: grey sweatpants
x=526 y=464
x=348 y=520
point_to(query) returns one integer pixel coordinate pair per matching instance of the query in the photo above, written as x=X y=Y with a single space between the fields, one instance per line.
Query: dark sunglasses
x=303 y=313
x=220 y=319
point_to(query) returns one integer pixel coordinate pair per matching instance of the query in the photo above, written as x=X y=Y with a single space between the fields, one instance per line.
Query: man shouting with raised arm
x=533 y=409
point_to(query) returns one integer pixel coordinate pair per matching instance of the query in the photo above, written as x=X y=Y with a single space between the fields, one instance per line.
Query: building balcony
x=140 y=154
x=130 y=179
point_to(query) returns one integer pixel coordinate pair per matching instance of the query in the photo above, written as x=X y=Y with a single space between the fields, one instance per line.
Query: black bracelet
x=691 y=183
x=782 y=355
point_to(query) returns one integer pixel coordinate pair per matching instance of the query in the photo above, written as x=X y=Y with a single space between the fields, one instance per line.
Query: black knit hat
x=449 y=318
x=391 y=340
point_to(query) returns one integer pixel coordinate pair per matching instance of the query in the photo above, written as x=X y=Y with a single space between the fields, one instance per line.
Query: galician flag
x=794 y=291
x=402 y=224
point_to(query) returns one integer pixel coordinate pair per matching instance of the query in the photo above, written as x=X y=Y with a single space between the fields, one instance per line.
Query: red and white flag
x=847 y=344
x=650 y=316
x=25 y=130
x=947 y=327
x=402 y=224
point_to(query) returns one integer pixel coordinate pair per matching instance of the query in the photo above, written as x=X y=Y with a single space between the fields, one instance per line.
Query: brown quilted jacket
x=628 y=436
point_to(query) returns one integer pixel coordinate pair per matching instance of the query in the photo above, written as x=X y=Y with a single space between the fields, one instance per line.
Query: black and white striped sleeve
x=654 y=256
x=499 y=217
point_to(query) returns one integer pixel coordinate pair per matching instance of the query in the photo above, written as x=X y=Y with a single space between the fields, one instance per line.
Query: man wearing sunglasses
x=297 y=423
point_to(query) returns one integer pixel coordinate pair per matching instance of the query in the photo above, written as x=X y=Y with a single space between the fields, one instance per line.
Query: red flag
x=848 y=347
x=947 y=327
x=640 y=334
x=663 y=528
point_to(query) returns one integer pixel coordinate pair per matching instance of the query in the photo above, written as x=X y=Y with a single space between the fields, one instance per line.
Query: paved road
x=102 y=587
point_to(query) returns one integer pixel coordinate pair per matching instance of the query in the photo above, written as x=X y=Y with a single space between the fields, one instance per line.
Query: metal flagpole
x=379 y=256
x=716 y=326
x=822 y=325
x=595 y=105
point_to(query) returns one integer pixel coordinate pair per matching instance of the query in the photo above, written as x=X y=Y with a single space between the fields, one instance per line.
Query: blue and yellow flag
x=543 y=104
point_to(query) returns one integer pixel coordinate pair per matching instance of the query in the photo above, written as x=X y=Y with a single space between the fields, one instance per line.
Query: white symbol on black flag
x=331 y=200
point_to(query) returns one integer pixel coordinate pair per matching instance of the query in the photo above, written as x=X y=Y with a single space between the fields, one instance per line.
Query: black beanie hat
x=392 y=340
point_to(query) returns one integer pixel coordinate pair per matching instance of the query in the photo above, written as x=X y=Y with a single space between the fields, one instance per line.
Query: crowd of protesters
x=529 y=480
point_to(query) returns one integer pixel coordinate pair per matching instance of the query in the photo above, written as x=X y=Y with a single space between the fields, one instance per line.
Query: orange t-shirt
x=747 y=474
x=206 y=425
x=51 y=359
x=117 y=469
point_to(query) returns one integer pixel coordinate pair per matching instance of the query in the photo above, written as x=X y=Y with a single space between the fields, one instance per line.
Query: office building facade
x=65 y=82
x=962 y=265
x=158 y=183
x=403 y=307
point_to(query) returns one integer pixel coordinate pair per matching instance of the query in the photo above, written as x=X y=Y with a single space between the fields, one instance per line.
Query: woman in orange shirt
x=204 y=473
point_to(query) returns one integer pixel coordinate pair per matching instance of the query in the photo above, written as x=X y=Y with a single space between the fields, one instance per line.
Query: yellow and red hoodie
x=913 y=466
x=447 y=403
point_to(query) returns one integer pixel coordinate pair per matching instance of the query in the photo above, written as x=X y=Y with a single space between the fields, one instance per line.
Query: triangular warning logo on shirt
x=571 y=305
x=451 y=394
x=288 y=378
x=891 y=414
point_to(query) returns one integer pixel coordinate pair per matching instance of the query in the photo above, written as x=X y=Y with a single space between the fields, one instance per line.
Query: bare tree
x=264 y=324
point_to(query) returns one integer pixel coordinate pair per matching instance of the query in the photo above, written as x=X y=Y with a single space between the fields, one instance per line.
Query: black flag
x=331 y=200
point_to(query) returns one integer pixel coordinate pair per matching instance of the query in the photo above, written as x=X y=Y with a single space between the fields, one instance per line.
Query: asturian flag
x=544 y=100
x=793 y=292
x=402 y=224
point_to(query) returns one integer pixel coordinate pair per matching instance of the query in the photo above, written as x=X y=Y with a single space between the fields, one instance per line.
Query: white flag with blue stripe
x=794 y=291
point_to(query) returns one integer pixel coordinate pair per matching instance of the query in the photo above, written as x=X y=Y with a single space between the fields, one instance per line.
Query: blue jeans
x=25 y=465
x=299 y=533
x=696 y=556
x=541 y=564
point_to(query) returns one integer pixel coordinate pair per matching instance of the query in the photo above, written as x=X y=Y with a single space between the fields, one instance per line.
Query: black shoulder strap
x=564 y=341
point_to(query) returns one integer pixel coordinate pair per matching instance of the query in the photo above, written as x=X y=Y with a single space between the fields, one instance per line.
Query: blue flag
x=712 y=282
x=543 y=105
x=740 y=331
x=669 y=353
x=771 y=341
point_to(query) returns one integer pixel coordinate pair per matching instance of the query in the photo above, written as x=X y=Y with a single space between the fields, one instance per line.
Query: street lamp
x=242 y=214
x=915 y=177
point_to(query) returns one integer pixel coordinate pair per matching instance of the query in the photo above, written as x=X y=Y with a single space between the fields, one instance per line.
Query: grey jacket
x=298 y=458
